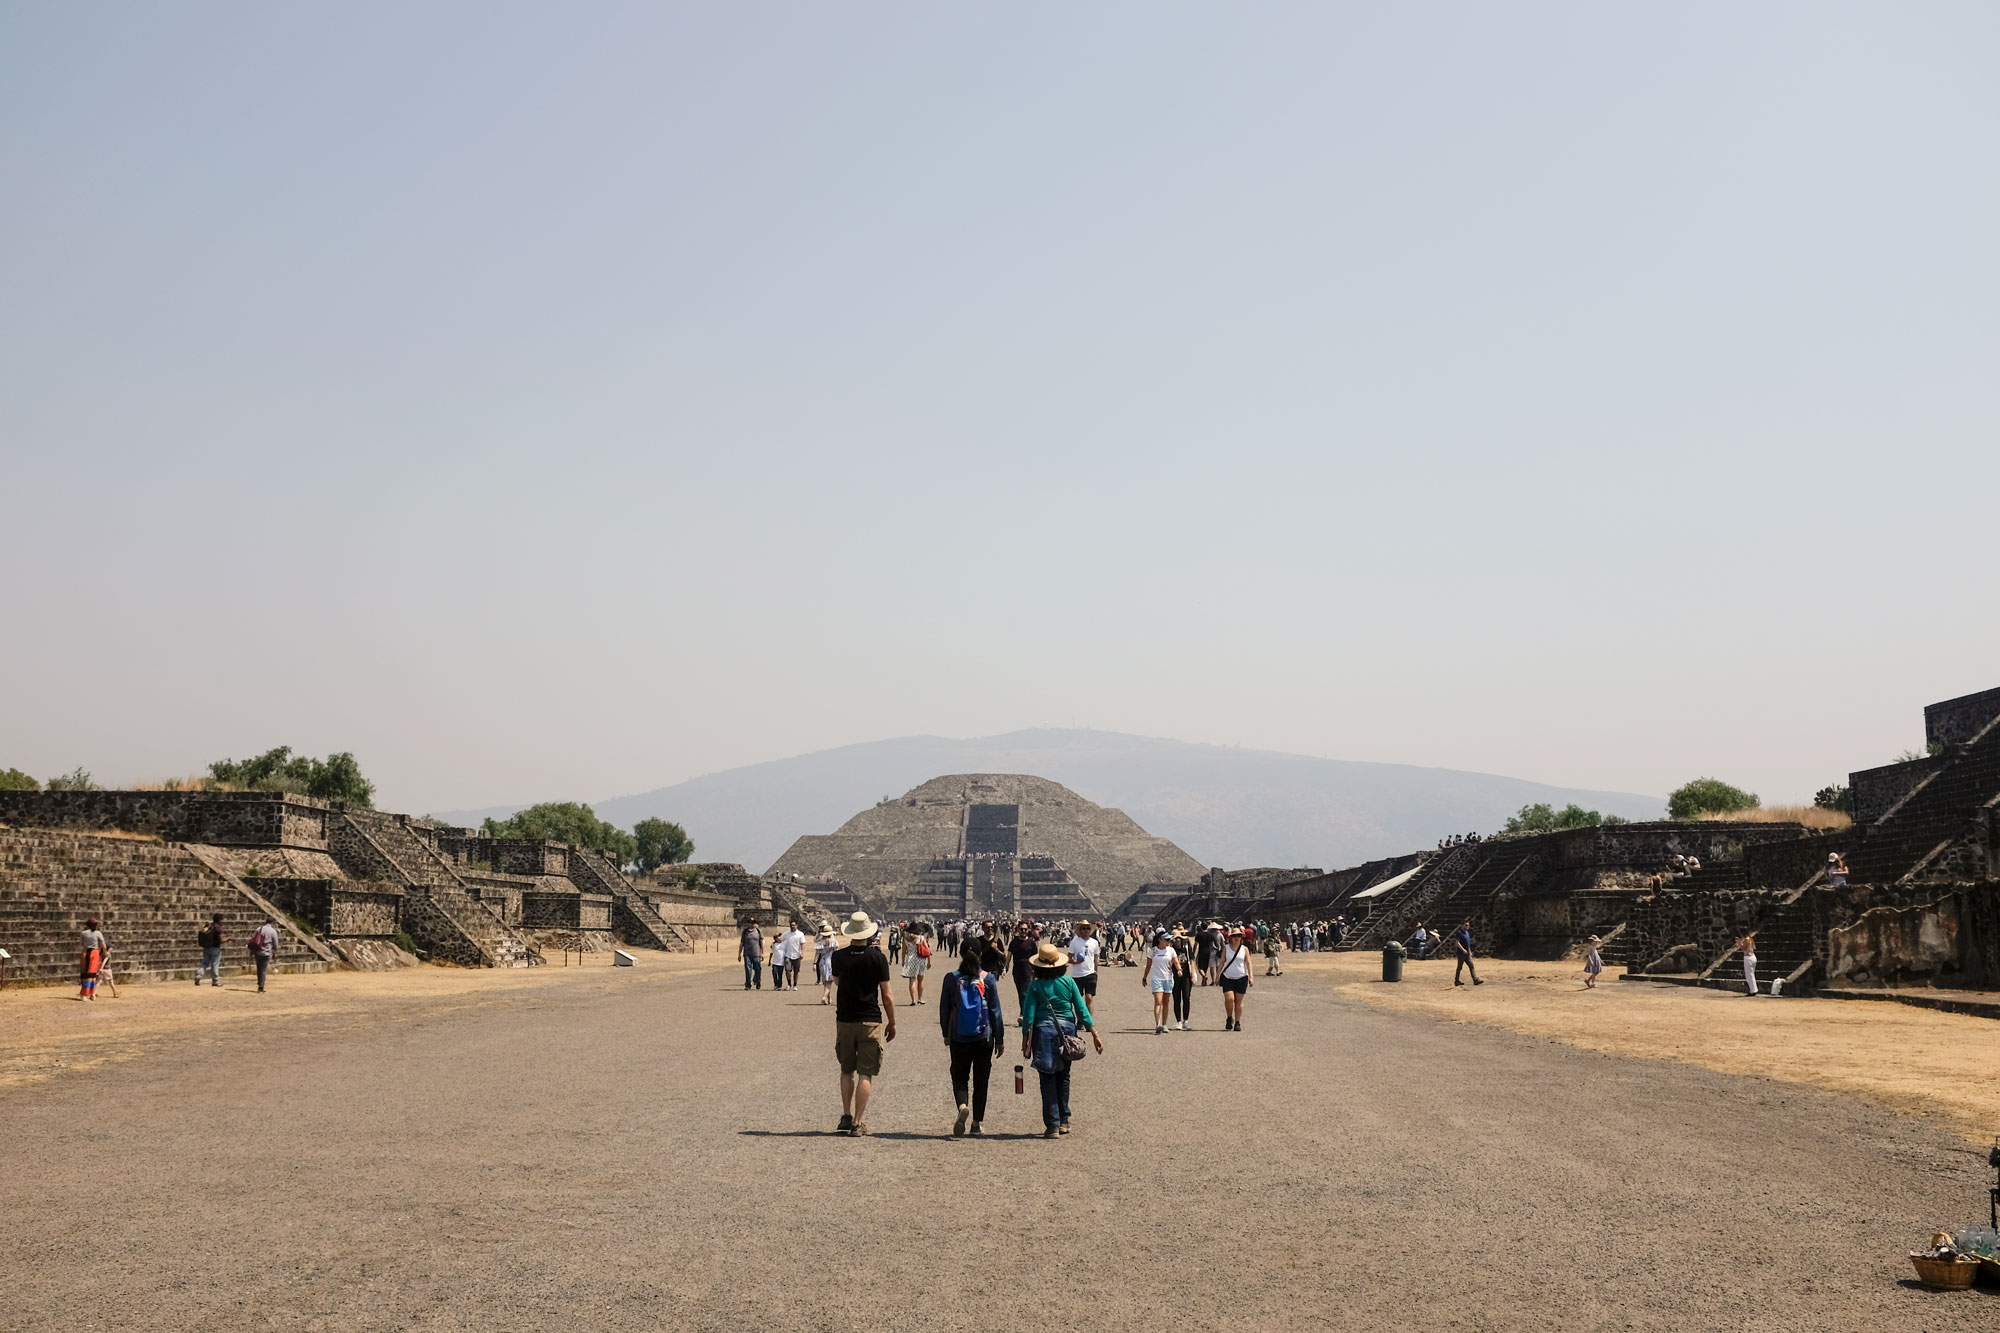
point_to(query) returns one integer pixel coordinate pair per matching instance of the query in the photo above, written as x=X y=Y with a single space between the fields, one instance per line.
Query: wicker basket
x=1945 y=1274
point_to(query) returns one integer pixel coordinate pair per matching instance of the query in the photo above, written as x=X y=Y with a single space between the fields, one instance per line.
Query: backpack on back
x=969 y=1010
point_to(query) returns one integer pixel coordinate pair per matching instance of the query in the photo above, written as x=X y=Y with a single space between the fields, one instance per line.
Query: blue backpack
x=969 y=1014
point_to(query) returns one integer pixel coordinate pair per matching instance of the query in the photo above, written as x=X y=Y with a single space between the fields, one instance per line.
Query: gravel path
x=636 y=1151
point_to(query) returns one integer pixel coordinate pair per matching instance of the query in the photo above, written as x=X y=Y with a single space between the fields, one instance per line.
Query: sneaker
x=1477 y=982
x=964 y=1116
x=1051 y=1132
x=1160 y=1030
x=860 y=1129
x=846 y=1125
x=1063 y=1128
x=975 y=1131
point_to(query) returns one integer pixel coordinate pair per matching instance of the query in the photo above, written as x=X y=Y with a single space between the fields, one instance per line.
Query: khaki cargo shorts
x=859 y=1046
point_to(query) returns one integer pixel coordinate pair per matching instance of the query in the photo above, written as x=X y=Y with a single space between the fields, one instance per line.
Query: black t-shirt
x=1022 y=949
x=858 y=975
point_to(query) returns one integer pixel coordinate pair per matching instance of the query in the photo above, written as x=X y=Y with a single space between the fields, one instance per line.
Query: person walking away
x=1161 y=977
x=824 y=945
x=1271 y=968
x=915 y=965
x=864 y=1019
x=1084 y=950
x=211 y=939
x=1461 y=943
x=1054 y=1012
x=96 y=949
x=1204 y=952
x=975 y=1032
x=1593 y=963
x=1183 y=947
x=1235 y=980
x=1749 y=946
x=263 y=948
x=750 y=948
x=795 y=952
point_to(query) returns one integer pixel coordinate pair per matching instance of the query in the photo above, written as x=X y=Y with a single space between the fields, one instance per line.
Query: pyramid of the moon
x=978 y=843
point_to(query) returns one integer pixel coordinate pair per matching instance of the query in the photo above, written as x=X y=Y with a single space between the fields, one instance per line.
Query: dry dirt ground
x=651 y=1148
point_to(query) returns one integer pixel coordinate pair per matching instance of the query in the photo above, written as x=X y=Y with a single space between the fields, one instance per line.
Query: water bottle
x=1020 y=1080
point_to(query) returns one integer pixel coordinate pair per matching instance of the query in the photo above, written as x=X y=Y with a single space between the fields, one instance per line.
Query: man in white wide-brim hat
x=864 y=1018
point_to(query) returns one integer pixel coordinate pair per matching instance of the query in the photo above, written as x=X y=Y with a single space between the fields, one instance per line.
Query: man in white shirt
x=1084 y=948
x=795 y=949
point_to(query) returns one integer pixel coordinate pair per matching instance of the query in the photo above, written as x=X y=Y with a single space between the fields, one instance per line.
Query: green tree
x=77 y=779
x=567 y=821
x=334 y=778
x=13 y=779
x=1834 y=798
x=1708 y=796
x=1542 y=817
x=661 y=843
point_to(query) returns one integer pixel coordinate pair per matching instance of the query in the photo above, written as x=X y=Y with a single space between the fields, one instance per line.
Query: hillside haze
x=1223 y=806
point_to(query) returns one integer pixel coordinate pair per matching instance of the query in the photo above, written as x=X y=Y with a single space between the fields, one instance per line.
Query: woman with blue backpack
x=1052 y=1012
x=975 y=1032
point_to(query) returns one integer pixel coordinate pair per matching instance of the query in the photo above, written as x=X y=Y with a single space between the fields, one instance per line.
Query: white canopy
x=1388 y=884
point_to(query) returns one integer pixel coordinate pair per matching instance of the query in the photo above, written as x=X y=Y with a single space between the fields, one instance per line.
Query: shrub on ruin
x=1834 y=798
x=567 y=821
x=77 y=779
x=1708 y=796
x=1541 y=817
x=13 y=779
x=661 y=842
x=334 y=778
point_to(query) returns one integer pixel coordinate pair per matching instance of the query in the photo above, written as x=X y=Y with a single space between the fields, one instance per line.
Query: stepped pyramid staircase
x=438 y=908
x=631 y=915
x=1505 y=860
x=1915 y=833
x=1784 y=951
x=1418 y=897
x=1048 y=893
x=152 y=897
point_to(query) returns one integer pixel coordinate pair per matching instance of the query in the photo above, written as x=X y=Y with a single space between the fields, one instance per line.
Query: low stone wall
x=227 y=818
x=338 y=908
x=544 y=910
x=1871 y=791
x=1710 y=921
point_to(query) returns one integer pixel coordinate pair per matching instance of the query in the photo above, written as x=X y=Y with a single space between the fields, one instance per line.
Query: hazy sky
x=563 y=400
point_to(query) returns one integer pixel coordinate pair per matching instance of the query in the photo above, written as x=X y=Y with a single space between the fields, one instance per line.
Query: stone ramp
x=152 y=897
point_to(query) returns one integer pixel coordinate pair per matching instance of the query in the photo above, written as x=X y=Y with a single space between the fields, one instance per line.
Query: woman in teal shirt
x=1053 y=1008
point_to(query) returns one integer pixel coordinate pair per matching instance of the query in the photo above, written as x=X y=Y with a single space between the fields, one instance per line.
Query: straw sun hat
x=859 y=927
x=1048 y=958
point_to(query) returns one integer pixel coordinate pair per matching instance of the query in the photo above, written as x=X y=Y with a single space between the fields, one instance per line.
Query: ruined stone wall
x=1956 y=721
x=244 y=818
x=1871 y=791
x=1952 y=939
x=338 y=907
x=1710 y=921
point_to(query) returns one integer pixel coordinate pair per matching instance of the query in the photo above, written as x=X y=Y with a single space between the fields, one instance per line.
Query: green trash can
x=1393 y=954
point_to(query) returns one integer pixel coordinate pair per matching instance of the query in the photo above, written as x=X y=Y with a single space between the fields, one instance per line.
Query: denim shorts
x=1163 y=985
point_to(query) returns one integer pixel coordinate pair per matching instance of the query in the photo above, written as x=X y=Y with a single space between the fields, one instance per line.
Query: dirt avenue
x=653 y=1148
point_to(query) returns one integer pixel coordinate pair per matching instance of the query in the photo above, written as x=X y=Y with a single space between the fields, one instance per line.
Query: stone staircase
x=439 y=910
x=1418 y=897
x=632 y=915
x=1048 y=893
x=939 y=893
x=1784 y=953
x=153 y=898
x=1913 y=833
x=1504 y=863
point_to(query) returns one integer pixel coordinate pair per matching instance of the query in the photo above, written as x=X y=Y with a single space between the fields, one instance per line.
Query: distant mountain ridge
x=1224 y=806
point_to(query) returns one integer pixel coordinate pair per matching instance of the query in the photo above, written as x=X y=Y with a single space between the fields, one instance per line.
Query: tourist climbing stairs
x=439 y=910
